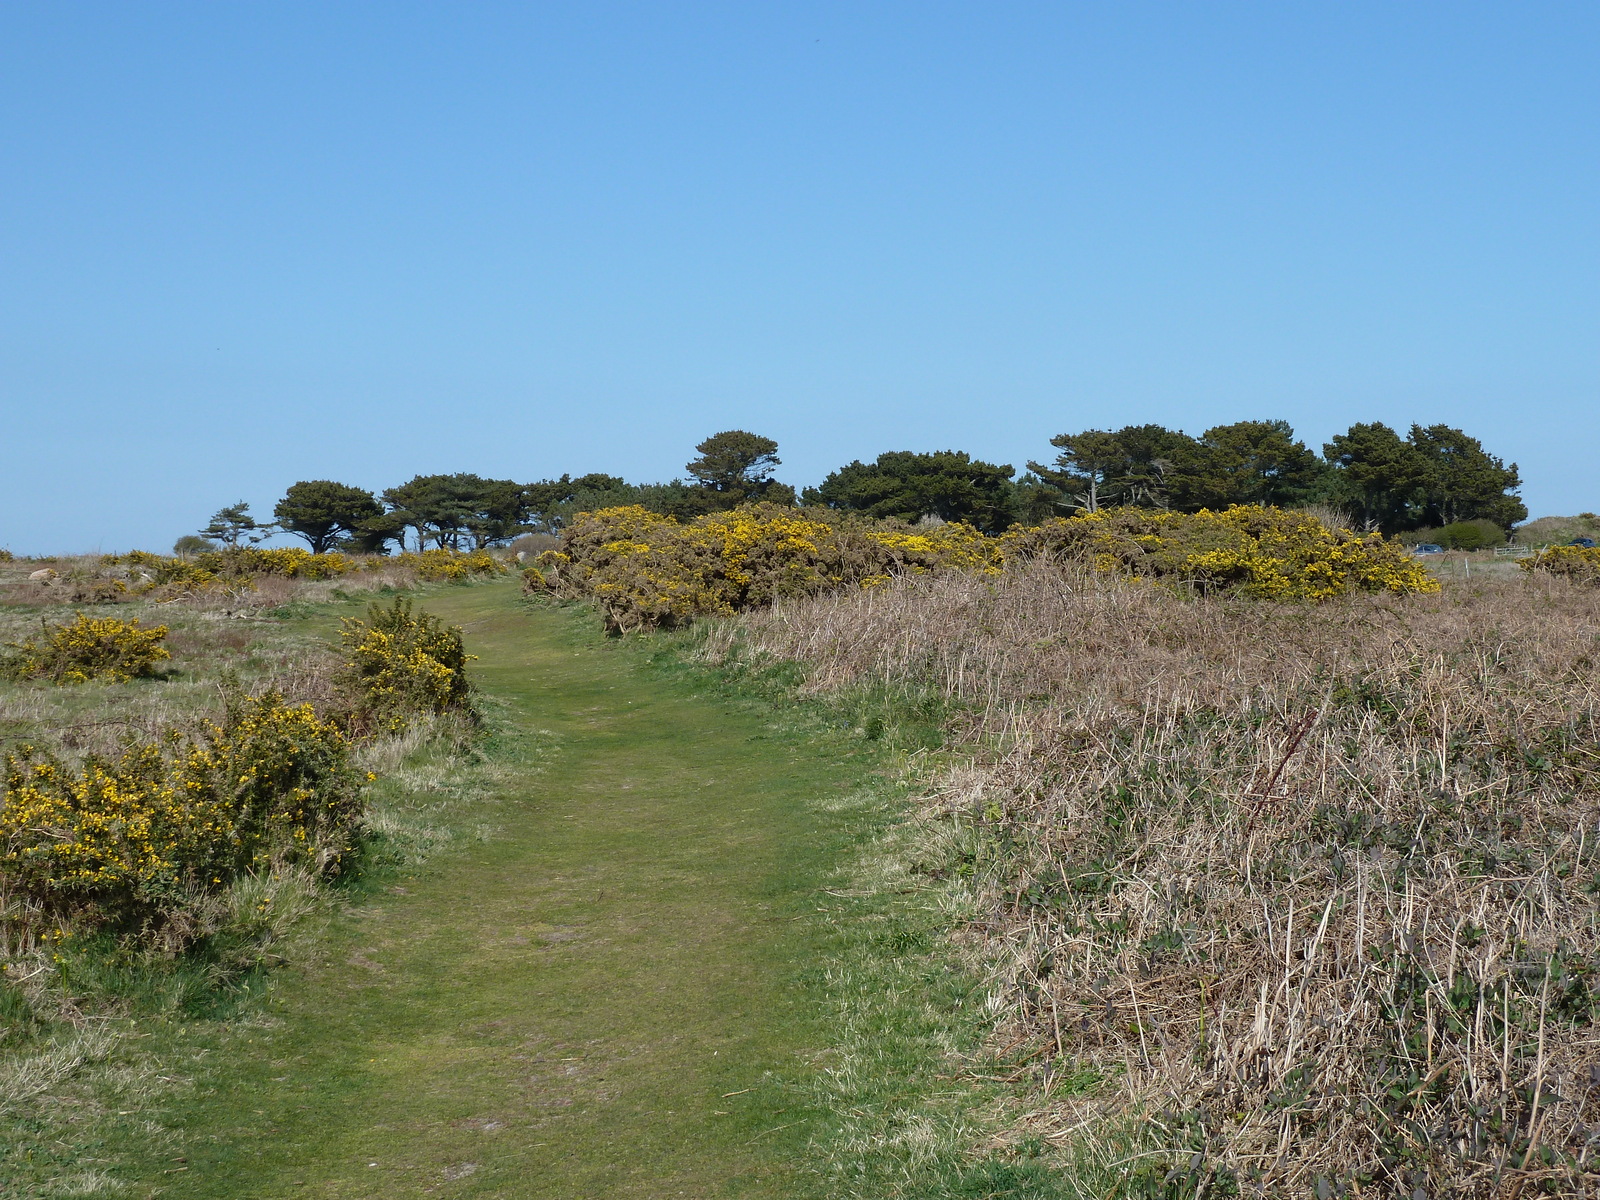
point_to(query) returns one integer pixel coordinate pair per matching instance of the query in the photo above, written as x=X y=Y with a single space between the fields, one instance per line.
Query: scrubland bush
x=205 y=567
x=1459 y=535
x=448 y=566
x=402 y=663
x=235 y=568
x=90 y=648
x=646 y=569
x=1287 y=900
x=143 y=839
x=1262 y=553
x=1581 y=564
x=133 y=844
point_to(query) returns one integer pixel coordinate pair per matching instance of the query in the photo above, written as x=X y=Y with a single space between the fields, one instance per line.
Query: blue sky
x=242 y=245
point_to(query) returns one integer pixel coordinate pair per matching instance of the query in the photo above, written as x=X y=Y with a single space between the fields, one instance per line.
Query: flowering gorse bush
x=1581 y=564
x=1251 y=550
x=90 y=648
x=132 y=843
x=646 y=569
x=402 y=663
x=236 y=567
x=447 y=566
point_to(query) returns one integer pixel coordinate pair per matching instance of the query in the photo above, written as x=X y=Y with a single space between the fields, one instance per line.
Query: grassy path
x=596 y=1000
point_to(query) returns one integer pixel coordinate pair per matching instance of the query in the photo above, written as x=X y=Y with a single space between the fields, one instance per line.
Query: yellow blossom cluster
x=237 y=566
x=90 y=648
x=401 y=662
x=646 y=569
x=133 y=841
x=447 y=566
x=1581 y=564
x=1250 y=550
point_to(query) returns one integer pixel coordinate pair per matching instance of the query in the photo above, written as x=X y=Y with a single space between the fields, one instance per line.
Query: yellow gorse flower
x=647 y=569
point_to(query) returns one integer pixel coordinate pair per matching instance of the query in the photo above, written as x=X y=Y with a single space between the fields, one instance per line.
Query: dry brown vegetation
x=1282 y=899
x=101 y=579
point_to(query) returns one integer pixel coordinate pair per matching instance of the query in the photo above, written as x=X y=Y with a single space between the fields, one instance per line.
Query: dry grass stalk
x=1310 y=891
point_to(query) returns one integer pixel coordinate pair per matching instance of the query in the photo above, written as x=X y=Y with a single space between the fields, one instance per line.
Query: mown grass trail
x=564 y=1008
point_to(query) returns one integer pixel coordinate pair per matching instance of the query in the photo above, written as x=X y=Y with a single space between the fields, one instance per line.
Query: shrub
x=291 y=563
x=647 y=569
x=91 y=648
x=1251 y=550
x=192 y=543
x=6 y=555
x=402 y=663
x=1581 y=564
x=449 y=566
x=1469 y=535
x=208 y=566
x=136 y=842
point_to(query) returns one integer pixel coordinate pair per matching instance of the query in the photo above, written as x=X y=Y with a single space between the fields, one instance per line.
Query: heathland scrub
x=672 y=949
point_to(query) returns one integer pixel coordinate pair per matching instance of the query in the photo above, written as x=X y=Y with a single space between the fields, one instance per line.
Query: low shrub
x=448 y=566
x=1250 y=550
x=402 y=663
x=291 y=562
x=90 y=648
x=1581 y=564
x=135 y=844
x=235 y=562
x=1467 y=535
x=646 y=569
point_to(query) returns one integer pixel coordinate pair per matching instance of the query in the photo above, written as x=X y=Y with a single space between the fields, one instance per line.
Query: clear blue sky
x=242 y=245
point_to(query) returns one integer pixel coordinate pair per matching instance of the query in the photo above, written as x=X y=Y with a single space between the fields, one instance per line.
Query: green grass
x=676 y=943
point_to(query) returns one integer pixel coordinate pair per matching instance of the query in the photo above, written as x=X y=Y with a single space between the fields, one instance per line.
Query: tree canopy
x=1435 y=476
x=948 y=484
x=735 y=467
x=234 y=524
x=321 y=511
x=458 y=509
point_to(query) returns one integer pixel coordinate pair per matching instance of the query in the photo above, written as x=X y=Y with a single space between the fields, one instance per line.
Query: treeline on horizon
x=1431 y=478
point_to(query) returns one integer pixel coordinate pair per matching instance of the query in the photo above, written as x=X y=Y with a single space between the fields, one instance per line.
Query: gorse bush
x=90 y=648
x=402 y=663
x=1581 y=564
x=447 y=566
x=238 y=566
x=1251 y=550
x=135 y=843
x=647 y=569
